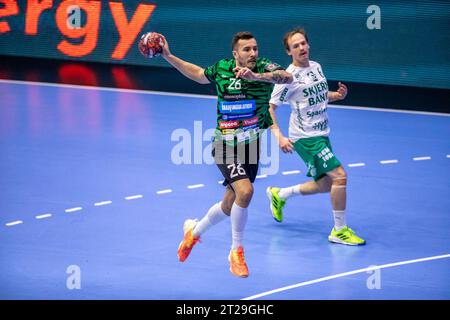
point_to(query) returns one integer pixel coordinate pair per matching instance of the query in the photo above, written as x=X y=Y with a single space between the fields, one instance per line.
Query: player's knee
x=247 y=193
x=340 y=180
x=244 y=195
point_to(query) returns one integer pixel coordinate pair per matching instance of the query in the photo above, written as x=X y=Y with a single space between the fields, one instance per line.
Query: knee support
x=339 y=182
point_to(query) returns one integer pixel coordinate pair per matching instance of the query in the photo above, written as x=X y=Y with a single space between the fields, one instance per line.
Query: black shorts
x=238 y=162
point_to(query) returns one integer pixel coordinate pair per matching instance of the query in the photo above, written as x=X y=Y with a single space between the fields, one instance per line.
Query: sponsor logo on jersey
x=321 y=125
x=229 y=124
x=315 y=89
x=237 y=116
x=312 y=114
x=312 y=76
x=250 y=122
x=234 y=96
x=272 y=67
x=318 y=99
x=249 y=134
x=299 y=78
x=228 y=137
x=243 y=106
x=283 y=94
x=228 y=131
x=255 y=127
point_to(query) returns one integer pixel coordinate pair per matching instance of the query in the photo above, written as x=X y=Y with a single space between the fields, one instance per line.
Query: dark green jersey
x=242 y=105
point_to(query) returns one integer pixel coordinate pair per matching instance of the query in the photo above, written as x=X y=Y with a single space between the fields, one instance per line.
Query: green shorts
x=318 y=156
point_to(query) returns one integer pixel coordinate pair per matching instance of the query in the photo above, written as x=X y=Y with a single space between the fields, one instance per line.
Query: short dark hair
x=243 y=35
x=289 y=34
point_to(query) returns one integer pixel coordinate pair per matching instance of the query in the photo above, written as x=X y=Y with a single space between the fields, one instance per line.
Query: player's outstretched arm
x=188 y=69
x=340 y=94
x=277 y=76
x=284 y=143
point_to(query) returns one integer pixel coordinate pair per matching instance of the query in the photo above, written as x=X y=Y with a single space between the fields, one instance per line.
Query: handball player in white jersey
x=308 y=97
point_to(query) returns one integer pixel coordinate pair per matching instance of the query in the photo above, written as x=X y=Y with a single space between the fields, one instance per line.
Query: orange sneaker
x=189 y=241
x=238 y=267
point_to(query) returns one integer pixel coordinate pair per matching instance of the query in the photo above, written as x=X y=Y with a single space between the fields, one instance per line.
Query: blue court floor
x=92 y=195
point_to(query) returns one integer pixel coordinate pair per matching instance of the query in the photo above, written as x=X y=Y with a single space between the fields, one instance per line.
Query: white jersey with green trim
x=308 y=98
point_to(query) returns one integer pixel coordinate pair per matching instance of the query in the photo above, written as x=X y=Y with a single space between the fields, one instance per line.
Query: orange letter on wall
x=10 y=9
x=34 y=10
x=89 y=31
x=128 y=31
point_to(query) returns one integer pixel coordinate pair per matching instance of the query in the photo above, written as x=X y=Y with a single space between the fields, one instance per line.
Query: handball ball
x=151 y=44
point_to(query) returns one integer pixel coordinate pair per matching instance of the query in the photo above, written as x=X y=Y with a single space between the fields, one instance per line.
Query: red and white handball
x=151 y=44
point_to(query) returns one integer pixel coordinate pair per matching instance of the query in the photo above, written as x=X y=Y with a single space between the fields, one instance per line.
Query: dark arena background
x=94 y=190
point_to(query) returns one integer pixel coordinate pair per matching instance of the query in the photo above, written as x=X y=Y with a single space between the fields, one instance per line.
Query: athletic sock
x=339 y=219
x=239 y=217
x=214 y=216
x=288 y=192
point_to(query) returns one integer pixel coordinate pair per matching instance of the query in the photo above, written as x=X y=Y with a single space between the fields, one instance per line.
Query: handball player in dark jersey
x=244 y=85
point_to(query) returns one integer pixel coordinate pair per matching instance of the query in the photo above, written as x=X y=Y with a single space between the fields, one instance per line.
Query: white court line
x=43 y=216
x=448 y=156
x=102 y=203
x=73 y=209
x=421 y=158
x=137 y=196
x=74 y=86
x=340 y=275
x=165 y=93
x=388 y=161
x=359 y=164
x=426 y=113
x=261 y=176
x=164 y=191
x=13 y=223
x=195 y=186
x=290 y=172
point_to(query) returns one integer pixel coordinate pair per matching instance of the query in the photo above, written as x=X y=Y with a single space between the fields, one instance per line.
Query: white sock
x=238 y=221
x=213 y=217
x=339 y=219
x=288 y=192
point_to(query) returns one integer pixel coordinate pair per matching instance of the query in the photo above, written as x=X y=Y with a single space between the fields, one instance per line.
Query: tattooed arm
x=277 y=76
